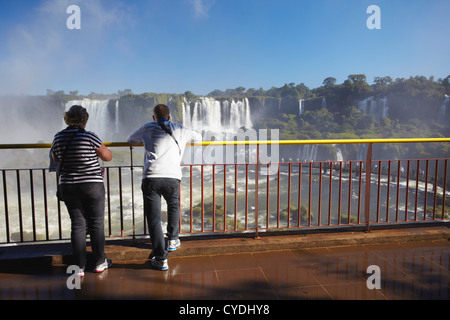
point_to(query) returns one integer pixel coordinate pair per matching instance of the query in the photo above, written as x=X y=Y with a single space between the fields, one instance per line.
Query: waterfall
x=384 y=107
x=362 y=105
x=204 y=114
x=377 y=108
x=301 y=106
x=239 y=114
x=373 y=107
x=185 y=111
x=248 y=121
x=339 y=156
x=362 y=152
x=208 y=112
x=444 y=106
x=307 y=152
x=324 y=103
x=116 y=114
x=214 y=115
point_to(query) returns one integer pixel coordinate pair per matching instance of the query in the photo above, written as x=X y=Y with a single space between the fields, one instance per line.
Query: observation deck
x=255 y=229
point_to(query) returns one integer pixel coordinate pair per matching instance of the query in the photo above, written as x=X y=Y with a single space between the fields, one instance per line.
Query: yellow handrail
x=329 y=141
x=251 y=142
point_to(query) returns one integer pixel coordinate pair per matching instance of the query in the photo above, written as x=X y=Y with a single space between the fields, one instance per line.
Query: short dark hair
x=161 y=111
x=76 y=116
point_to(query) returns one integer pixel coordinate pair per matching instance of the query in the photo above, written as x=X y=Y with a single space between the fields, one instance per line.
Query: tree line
x=413 y=113
x=355 y=85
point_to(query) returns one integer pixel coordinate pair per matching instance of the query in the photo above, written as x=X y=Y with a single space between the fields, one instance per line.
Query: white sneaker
x=105 y=265
x=160 y=264
x=174 y=245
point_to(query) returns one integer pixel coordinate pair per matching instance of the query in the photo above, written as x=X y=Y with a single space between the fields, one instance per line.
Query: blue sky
x=201 y=45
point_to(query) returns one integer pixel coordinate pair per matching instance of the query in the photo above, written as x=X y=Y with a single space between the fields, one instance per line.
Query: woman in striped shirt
x=81 y=185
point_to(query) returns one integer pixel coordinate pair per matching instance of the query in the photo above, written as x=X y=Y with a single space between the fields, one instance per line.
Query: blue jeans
x=85 y=203
x=153 y=189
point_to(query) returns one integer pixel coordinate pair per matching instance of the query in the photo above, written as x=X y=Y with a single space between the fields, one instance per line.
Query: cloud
x=201 y=7
x=42 y=53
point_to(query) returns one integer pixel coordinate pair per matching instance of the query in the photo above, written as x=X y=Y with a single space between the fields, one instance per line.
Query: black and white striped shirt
x=81 y=163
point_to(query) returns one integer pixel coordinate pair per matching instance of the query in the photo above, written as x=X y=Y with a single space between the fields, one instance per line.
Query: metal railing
x=241 y=197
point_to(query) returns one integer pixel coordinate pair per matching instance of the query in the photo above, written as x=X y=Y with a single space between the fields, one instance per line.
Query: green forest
x=414 y=112
x=410 y=100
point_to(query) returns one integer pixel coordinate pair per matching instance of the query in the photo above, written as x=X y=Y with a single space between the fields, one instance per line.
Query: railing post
x=368 y=181
x=132 y=193
x=256 y=190
x=5 y=201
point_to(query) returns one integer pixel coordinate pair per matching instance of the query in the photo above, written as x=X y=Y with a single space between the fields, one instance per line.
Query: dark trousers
x=85 y=203
x=153 y=189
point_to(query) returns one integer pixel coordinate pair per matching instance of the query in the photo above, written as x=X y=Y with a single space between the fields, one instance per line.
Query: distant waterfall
x=307 y=152
x=378 y=108
x=384 y=107
x=219 y=116
x=116 y=114
x=362 y=151
x=339 y=156
x=301 y=106
x=445 y=105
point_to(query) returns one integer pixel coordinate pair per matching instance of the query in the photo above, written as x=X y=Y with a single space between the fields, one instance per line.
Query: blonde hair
x=76 y=116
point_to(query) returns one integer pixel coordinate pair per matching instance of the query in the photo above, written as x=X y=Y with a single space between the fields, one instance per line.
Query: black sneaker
x=160 y=264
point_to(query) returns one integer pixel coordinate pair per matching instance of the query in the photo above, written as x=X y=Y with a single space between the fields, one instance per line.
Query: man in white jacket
x=164 y=143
